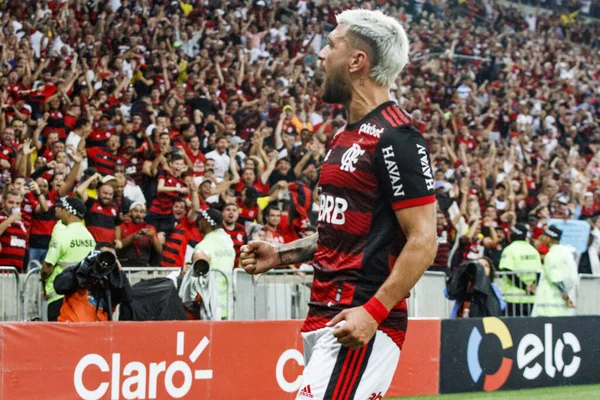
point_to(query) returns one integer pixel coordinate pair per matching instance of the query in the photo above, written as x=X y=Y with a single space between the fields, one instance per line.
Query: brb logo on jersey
x=529 y=349
x=350 y=158
x=332 y=209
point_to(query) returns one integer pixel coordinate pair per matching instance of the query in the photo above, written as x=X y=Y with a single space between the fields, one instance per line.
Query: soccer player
x=377 y=228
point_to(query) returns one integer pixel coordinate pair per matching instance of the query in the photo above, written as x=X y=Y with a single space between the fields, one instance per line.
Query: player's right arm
x=258 y=256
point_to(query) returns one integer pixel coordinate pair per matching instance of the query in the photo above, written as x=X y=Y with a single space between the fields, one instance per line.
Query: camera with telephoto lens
x=105 y=263
x=200 y=268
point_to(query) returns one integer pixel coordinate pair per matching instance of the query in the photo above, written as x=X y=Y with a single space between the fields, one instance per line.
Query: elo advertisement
x=514 y=353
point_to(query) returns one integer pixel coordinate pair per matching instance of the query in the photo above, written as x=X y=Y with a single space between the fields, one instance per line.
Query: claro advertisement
x=181 y=360
x=513 y=353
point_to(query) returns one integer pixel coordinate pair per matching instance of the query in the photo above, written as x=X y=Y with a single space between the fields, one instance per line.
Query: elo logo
x=529 y=349
x=496 y=327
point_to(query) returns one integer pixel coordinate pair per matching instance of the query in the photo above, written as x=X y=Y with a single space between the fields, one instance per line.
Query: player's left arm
x=419 y=226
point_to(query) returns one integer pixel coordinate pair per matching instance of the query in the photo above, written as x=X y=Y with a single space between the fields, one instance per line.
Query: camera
x=105 y=263
x=200 y=268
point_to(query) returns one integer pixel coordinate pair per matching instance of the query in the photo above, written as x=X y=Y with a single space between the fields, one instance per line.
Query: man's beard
x=337 y=88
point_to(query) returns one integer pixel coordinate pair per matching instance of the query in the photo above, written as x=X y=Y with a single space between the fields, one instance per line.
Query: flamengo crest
x=350 y=158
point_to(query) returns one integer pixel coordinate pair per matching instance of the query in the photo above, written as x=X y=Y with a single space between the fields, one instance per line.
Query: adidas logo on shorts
x=306 y=392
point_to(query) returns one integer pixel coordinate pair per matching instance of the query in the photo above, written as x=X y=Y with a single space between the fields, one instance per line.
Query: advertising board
x=196 y=360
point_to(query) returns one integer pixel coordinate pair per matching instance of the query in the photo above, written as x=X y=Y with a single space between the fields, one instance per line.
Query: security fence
x=279 y=294
x=9 y=294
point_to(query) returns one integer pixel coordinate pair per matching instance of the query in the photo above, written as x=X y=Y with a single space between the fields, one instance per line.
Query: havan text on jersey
x=393 y=171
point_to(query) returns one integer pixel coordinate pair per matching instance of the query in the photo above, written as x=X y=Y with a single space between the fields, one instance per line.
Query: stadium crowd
x=150 y=110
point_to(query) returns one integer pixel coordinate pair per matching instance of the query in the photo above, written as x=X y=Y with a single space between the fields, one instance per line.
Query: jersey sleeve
x=403 y=170
x=92 y=153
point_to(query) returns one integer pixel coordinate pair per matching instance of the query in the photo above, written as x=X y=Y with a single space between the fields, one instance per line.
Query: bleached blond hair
x=385 y=36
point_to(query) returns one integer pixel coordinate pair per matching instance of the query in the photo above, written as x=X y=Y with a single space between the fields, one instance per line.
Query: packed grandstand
x=106 y=101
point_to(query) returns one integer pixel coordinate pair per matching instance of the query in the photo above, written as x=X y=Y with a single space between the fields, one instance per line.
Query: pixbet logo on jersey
x=370 y=130
x=529 y=349
x=142 y=380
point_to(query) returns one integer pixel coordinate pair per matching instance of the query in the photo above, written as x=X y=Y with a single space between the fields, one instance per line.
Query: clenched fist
x=258 y=257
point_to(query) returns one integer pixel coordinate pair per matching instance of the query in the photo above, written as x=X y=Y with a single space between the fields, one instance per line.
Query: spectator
x=122 y=201
x=105 y=160
x=14 y=233
x=136 y=240
x=236 y=231
x=183 y=233
x=272 y=216
x=43 y=222
x=102 y=214
x=170 y=187
x=220 y=156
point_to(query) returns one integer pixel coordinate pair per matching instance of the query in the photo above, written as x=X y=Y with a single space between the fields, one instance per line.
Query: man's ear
x=358 y=61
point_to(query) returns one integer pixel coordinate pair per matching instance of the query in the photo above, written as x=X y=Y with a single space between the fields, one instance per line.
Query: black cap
x=519 y=232
x=73 y=205
x=212 y=216
x=553 y=232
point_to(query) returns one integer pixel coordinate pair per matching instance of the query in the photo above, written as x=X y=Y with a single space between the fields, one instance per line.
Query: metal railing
x=34 y=305
x=427 y=298
x=9 y=294
x=275 y=295
x=278 y=294
x=588 y=295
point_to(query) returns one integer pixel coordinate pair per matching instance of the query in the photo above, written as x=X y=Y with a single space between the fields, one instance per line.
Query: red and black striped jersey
x=104 y=161
x=55 y=123
x=14 y=243
x=375 y=166
x=28 y=208
x=176 y=243
x=101 y=220
x=197 y=161
x=99 y=138
x=135 y=166
x=238 y=235
x=163 y=202
x=247 y=214
x=8 y=153
x=43 y=224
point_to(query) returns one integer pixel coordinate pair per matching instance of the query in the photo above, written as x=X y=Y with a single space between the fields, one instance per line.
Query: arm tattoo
x=298 y=251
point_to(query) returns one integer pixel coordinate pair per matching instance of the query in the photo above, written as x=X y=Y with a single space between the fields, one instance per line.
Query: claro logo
x=141 y=380
x=529 y=349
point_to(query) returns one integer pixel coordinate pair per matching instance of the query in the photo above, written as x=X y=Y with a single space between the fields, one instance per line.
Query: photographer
x=472 y=286
x=70 y=243
x=135 y=240
x=94 y=287
x=206 y=293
